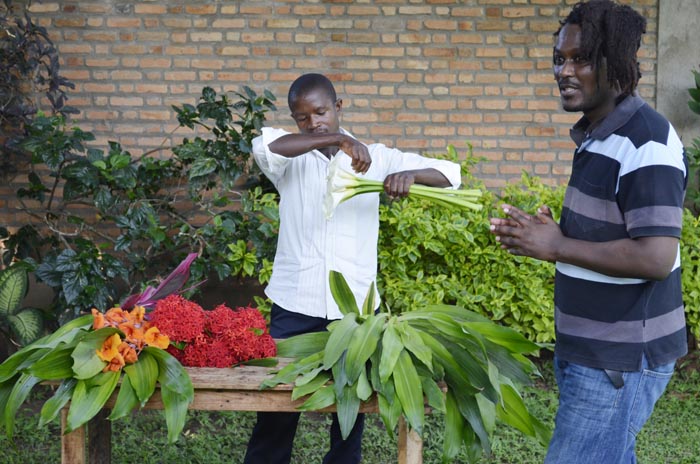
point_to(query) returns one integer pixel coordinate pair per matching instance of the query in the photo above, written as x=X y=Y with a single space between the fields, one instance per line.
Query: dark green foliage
x=109 y=222
x=693 y=151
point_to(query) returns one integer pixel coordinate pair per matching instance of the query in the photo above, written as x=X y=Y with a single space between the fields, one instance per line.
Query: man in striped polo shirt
x=619 y=313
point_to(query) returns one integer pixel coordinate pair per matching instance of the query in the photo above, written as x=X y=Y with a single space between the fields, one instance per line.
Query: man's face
x=582 y=87
x=315 y=112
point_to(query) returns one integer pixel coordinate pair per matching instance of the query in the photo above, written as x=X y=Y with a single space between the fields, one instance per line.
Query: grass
x=672 y=435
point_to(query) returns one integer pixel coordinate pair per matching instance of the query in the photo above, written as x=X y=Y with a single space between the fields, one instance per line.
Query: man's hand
x=398 y=184
x=358 y=152
x=522 y=234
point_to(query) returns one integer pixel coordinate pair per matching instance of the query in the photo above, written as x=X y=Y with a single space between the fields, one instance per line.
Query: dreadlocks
x=612 y=32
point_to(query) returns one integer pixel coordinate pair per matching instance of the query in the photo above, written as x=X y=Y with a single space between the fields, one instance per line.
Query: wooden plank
x=410 y=445
x=73 y=443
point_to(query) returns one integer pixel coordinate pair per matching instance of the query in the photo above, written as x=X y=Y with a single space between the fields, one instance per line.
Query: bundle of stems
x=343 y=185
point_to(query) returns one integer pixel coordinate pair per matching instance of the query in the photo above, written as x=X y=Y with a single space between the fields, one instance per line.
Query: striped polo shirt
x=628 y=181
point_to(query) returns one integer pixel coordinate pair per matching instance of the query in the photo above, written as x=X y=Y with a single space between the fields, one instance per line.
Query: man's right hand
x=358 y=152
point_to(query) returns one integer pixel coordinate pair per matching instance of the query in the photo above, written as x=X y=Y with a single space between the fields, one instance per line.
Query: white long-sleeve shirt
x=309 y=245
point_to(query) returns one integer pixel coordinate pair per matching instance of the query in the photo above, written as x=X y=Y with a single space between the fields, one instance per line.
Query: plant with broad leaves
x=21 y=324
x=455 y=361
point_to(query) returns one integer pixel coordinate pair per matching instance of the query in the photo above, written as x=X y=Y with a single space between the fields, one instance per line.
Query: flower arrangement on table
x=136 y=349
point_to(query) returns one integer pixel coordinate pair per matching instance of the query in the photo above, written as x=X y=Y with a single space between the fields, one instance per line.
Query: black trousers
x=273 y=435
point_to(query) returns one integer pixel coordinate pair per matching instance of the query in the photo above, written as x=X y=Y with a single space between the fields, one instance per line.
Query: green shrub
x=433 y=255
x=690 y=268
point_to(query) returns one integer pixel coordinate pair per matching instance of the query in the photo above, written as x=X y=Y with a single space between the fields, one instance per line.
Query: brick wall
x=418 y=75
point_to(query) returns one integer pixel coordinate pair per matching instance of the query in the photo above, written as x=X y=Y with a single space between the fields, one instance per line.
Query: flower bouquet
x=455 y=361
x=343 y=185
x=90 y=356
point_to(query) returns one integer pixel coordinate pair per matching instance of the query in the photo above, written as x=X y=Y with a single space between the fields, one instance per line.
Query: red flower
x=181 y=319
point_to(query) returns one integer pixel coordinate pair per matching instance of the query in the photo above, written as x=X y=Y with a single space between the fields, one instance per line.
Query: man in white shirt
x=310 y=245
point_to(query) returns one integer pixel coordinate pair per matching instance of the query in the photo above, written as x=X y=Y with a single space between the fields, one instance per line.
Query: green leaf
x=89 y=397
x=55 y=365
x=126 y=400
x=27 y=324
x=18 y=395
x=364 y=388
x=86 y=364
x=389 y=407
x=171 y=374
x=58 y=401
x=13 y=288
x=143 y=375
x=409 y=391
x=454 y=426
x=339 y=339
x=412 y=342
x=342 y=294
x=391 y=349
x=370 y=302
x=290 y=372
x=348 y=405
x=311 y=386
x=362 y=344
x=433 y=394
x=504 y=336
x=512 y=411
x=694 y=106
x=322 y=398
x=302 y=345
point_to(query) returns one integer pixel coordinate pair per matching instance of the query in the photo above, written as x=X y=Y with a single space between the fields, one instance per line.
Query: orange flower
x=99 y=319
x=128 y=353
x=110 y=353
x=153 y=337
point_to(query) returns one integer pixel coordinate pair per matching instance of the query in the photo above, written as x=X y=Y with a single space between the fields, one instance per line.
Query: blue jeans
x=597 y=423
x=273 y=435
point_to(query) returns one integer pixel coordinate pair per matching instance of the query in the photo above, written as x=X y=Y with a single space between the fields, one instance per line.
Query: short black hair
x=614 y=32
x=308 y=82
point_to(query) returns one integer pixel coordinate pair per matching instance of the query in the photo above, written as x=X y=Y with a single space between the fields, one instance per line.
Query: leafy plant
x=693 y=151
x=31 y=70
x=456 y=361
x=22 y=324
x=113 y=221
x=690 y=271
x=430 y=255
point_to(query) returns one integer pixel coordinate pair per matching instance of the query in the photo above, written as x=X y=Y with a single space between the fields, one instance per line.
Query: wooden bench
x=230 y=389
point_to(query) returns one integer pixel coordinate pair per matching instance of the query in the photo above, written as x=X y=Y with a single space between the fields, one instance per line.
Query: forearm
x=650 y=258
x=292 y=145
x=431 y=177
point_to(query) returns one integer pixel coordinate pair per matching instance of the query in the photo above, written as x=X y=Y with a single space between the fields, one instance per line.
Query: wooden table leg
x=100 y=438
x=73 y=443
x=410 y=445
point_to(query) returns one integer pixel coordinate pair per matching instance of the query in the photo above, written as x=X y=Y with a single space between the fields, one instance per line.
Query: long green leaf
x=391 y=349
x=348 y=405
x=409 y=391
x=322 y=398
x=143 y=376
x=310 y=387
x=362 y=344
x=342 y=294
x=339 y=339
x=171 y=373
x=18 y=395
x=370 y=302
x=454 y=425
x=469 y=409
x=412 y=342
x=126 y=400
x=55 y=365
x=504 y=336
x=175 y=407
x=454 y=374
x=89 y=397
x=302 y=345
x=364 y=388
x=58 y=401
x=292 y=370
